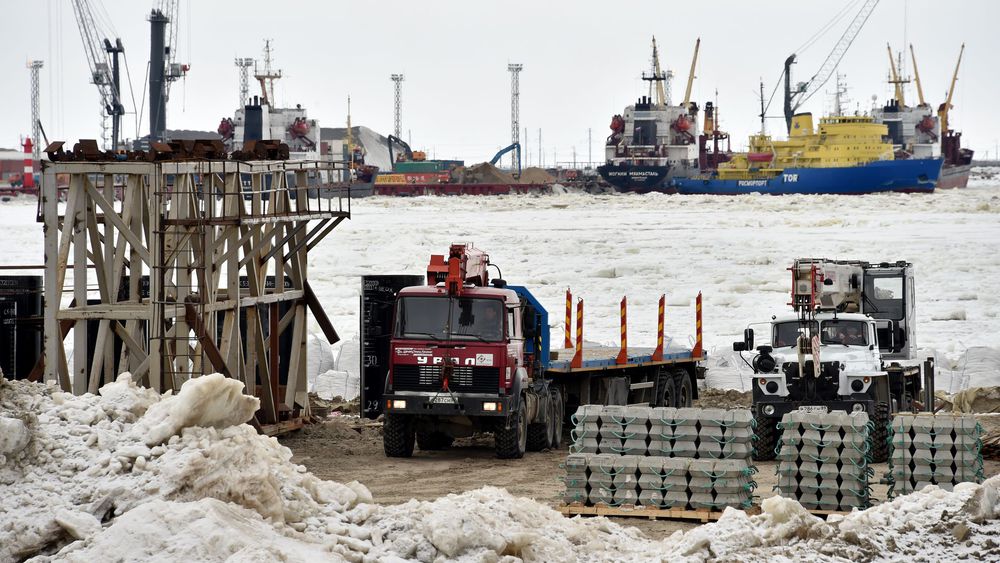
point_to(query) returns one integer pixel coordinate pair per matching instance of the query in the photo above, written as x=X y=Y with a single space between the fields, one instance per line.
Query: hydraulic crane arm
x=694 y=62
x=503 y=151
x=465 y=265
x=916 y=76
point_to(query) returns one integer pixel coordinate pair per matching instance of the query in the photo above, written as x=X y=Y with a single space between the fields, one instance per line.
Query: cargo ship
x=916 y=132
x=653 y=140
x=846 y=155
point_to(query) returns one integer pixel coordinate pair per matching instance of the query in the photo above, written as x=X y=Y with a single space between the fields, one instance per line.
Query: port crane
x=102 y=56
x=795 y=97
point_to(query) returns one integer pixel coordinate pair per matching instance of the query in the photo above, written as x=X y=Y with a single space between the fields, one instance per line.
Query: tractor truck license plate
x=444 y=399
x=818 y=409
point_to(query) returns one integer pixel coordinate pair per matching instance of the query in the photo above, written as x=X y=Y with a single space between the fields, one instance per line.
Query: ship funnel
x=802 y=124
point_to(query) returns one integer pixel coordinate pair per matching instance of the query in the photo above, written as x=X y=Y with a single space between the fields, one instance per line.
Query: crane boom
x=661 y=96
x=895 y=79
x=916 y=76
x=943 y=108
x=102 y=56
x=805 y=90
x=694 y=61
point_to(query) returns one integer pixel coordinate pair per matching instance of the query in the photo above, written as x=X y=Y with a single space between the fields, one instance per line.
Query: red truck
x=468 y=354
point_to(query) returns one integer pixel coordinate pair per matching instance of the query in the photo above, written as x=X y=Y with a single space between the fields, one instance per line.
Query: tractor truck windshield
x=848 y=333
x=450 y=318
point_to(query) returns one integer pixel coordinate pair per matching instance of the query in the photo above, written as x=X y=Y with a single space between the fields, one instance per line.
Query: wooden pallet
x=631 y=511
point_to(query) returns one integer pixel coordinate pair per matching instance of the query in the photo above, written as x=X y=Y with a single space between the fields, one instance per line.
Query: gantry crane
x=804 y=90
x=102 y=56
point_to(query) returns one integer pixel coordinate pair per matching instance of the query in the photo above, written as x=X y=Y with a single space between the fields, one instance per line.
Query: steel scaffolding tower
x=35 y=66
x=397 y=80
x=515 y=113
x=244 y=65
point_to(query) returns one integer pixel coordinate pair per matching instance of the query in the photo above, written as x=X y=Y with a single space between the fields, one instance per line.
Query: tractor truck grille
x=464 y=379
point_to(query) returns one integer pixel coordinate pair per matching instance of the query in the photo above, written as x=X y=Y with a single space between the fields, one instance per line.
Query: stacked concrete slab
x=823 y=459
x=934 y=449
x=660 y=457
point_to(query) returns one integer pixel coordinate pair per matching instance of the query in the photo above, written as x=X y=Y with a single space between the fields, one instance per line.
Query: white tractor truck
x=848 y=345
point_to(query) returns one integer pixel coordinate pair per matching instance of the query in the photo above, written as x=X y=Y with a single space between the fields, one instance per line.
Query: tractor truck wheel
x=397 y=436
x=511 y=442
x=666 y=391
x=766 y=434
x=555 y=440
x=430 y=441
x=880 y=435
x=682 y=386
x=538 y=436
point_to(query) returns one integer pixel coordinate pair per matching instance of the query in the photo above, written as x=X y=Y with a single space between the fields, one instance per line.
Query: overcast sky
x=582 y=63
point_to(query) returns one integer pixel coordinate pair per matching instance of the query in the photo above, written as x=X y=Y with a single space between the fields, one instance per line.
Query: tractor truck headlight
x=397 y=404
x=857 y=385
x=491 y=407
x=768 y=410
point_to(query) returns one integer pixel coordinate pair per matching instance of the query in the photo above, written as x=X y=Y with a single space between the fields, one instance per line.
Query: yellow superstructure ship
x=840 y=141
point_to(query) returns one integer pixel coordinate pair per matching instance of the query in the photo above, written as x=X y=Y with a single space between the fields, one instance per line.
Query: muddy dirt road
x=346 y=449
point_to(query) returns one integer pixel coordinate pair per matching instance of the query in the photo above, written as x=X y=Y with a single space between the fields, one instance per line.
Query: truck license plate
x=816 y=409
x=444 y=399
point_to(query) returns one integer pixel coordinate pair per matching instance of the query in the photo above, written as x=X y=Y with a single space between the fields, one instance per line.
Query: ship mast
x=896 y=79
x=267 y=78
x=658 y=77
x=350 y=134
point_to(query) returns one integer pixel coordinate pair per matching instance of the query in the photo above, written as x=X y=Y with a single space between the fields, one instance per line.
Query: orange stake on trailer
x=658 y=353
x=696 y=353
x=568 y=342
x=578 y=356
x=623 y=353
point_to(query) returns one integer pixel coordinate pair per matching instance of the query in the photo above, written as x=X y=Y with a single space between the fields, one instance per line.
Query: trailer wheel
x=682 y=384
x=511 y=442
x=397 y=436
x=766 y=436
x=555 y=441
x=538 y=436
x=880 y=435
x=430 y=441
x=667 y=393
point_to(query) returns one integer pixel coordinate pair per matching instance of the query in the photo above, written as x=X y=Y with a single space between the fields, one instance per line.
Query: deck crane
x=694 y=62
x=102 y=56
x=916 y=77
x=943 y=108
x=804 y=90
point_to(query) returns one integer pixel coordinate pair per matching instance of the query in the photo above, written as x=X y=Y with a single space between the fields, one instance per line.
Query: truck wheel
x=430 y=441
x=880 y=435
x=538 y=436
x=766 y=436
x=555 y=441
x=667 y=391
x=682 y=385
x=511 y=442
x=397 y=436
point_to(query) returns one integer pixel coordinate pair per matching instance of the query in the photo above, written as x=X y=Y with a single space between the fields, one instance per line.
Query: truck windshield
x=849 y=333
x=450 y=318
x=785 y=334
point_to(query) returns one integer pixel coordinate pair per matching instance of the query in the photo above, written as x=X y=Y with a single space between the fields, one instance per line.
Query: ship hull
x=907 y=176
x=954 y=176
x=637 y=178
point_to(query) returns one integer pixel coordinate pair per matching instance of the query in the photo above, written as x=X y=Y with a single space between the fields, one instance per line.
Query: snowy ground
x=129 y=476
x=735 y=250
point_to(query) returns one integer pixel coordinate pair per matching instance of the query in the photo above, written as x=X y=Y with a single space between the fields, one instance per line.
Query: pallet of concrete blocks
x=934 y=449
x=577 y=468
x=663 y=482
x=586 y=433
x=714 y=484
x=823 y=459
x=613 y=479
x=700 y=433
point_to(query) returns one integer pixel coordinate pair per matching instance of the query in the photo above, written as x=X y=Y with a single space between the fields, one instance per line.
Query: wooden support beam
x=320 y=315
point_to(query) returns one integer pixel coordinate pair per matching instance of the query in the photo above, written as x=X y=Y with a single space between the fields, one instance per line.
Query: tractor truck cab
x=850 y=318
x=465 y=357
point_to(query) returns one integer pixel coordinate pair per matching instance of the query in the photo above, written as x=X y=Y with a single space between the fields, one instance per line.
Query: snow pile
x=99 y=478
x=91 y=459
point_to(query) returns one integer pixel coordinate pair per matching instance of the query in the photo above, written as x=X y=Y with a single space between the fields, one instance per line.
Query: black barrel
x=20 y=324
